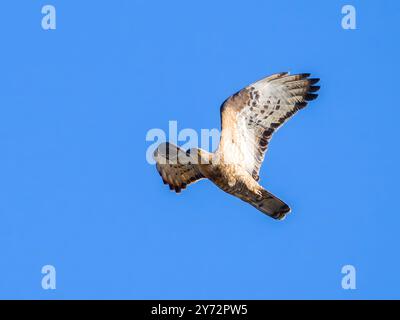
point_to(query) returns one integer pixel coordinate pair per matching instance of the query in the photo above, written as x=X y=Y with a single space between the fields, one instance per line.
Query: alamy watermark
x=349 y=18
x=199 y=148
x=349 y=279
x=49 y=18
x=49 y=278
x=208 y=140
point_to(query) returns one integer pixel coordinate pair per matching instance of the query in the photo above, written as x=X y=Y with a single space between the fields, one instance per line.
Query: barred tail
x=270 y=205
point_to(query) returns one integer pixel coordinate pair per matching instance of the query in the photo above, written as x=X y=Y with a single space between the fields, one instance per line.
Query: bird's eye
x=188 y=152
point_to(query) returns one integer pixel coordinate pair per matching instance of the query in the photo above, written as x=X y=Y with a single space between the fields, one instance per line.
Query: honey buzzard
x=249 y=118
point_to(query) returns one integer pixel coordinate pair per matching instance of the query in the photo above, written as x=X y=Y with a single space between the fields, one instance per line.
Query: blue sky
x=77 y=193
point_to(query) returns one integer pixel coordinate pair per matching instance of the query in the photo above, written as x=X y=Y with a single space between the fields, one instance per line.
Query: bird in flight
x=249 y=118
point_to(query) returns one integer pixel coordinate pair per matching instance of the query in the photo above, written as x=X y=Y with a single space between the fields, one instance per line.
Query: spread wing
x=175 y=167
x=250 y=117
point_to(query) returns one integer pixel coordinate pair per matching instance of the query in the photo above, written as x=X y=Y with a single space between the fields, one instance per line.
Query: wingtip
x=313 y=88
x=305 y=75
x=313 y=80
x=311 y=96
x=301 y=105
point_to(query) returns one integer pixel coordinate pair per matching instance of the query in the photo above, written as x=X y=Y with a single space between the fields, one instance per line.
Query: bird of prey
x=249 y=118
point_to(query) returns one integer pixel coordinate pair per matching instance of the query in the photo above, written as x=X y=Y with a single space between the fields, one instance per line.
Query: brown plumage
x=248 y=120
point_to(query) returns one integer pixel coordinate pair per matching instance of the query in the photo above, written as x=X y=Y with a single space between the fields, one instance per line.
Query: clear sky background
x=77 y=193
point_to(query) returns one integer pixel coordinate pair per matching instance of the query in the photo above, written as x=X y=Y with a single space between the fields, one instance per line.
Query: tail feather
x=270 y=205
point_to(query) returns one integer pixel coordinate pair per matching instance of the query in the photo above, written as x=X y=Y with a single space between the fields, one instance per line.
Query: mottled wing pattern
x=174 y=167
x=258 y=111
